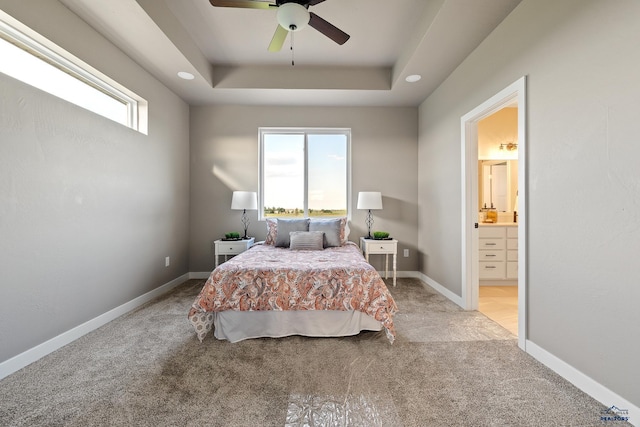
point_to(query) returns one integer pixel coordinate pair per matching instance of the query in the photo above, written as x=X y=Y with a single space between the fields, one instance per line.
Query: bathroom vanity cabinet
x=498 y=258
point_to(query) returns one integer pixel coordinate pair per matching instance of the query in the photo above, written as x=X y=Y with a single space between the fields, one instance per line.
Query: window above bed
x=304 y=172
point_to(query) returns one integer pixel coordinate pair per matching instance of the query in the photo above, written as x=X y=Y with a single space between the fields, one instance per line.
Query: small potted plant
x=380 y=235
x=234 y=235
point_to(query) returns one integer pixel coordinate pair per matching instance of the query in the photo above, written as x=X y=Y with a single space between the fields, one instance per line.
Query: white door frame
x=514 y=93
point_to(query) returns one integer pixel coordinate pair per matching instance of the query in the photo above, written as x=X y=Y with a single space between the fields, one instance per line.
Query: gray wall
x=224 y=158
x=581 y=58
x=88 y=208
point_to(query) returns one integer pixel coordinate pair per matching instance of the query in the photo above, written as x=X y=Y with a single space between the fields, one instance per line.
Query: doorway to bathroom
x=493 y=245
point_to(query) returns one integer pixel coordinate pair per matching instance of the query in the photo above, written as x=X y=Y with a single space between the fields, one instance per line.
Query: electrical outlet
x=167 y=261
x=406 y=253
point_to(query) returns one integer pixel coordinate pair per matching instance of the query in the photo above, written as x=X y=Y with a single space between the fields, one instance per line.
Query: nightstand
x=381 y=247
x=231 y=247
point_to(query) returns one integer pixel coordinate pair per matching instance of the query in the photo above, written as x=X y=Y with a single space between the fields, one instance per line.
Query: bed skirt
x=236 y=326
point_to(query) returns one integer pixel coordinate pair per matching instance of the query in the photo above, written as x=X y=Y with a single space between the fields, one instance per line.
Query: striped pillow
x=306 y=240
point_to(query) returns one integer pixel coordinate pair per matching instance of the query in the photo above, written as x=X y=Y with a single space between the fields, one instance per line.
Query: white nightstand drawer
x=381 y=247
x=491 y=255
x=492 y=244
x=231 y=248
x=492 y=270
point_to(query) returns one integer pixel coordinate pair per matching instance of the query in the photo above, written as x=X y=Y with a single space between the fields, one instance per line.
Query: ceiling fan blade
x=278 y=39
x=247 y=4
x=315 y=2
x=329 y=30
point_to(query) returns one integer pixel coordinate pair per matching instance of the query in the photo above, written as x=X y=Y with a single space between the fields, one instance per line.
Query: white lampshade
x=293 y=16
x=369 y=200
x=244 y=200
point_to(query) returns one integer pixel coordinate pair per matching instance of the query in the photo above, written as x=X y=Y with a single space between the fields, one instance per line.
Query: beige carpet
x=447 y=367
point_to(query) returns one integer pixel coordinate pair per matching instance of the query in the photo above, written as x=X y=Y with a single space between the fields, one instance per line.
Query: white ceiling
x=226 y=48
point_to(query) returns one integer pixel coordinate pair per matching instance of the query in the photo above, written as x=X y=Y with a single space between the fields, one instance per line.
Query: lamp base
x=369 y=223
x=245 y=224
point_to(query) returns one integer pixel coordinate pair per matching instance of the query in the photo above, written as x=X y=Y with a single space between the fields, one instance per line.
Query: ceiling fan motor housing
x=293 y=16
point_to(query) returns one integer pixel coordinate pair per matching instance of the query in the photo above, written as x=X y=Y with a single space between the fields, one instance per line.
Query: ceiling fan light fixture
x=293 y=16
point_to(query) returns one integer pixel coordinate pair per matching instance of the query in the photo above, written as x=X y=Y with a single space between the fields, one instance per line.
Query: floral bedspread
x=270 y=278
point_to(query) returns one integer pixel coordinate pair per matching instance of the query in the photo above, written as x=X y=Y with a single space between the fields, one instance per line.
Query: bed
x=305 y=279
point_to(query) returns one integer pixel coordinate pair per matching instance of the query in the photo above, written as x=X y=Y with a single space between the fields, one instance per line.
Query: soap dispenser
x=492 y=215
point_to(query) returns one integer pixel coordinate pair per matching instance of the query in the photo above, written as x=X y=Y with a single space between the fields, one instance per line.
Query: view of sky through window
x=284 y=171
x=284 y=175
x=328 y=172
x=26 y=67
x=27 y=60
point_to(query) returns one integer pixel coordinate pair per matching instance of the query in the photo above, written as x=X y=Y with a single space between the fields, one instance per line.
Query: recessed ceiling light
x=186 y=76
x=413 y=78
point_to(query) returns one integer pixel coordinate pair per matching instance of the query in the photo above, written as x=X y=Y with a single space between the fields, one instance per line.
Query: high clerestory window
x=28 y=57
x=304 y=172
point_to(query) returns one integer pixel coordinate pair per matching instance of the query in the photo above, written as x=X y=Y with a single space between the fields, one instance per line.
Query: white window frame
x=306 y=132
x=12 y=31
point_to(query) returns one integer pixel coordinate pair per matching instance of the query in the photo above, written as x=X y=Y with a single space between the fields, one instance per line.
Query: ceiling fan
x=293 y=15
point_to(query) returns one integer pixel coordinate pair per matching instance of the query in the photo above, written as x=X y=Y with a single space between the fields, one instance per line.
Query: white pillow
x=306 y=240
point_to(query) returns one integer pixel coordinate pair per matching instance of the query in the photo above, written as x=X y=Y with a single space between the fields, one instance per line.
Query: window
x=61 y=74
x=304 y=172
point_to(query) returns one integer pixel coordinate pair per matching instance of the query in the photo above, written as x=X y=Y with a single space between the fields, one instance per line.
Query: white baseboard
x=199 y=274
x=441 y=289
x=584 y=382
x=27 y=357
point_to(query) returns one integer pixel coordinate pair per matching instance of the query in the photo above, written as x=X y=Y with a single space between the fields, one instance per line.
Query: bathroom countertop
x=498 y=224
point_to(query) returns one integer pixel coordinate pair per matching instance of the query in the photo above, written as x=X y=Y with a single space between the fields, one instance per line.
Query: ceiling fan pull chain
x=292 y=59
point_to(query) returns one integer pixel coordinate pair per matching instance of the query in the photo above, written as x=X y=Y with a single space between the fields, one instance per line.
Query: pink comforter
x=270 y=278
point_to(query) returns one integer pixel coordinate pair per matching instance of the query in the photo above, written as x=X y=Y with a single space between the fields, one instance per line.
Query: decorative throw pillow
x=286 y=226
x=272 y=230
x=306 y=240
x=331 y=229
x=344 y=230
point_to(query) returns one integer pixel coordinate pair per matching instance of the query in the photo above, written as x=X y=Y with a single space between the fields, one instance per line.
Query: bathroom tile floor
x=500 y=304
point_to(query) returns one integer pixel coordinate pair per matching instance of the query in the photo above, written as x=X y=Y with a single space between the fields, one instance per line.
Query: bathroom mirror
x=498 y=182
